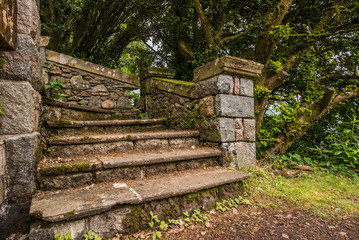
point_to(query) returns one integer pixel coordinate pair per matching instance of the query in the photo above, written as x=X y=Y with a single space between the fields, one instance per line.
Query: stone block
x=22 y=153
x=246 y=87
x=239 y=154
x=95 y=102
x=2 y=189
x=234 y=106
x=217 y=130
x=8 y=25
x=207 y=106
x=77 y=82
x=77 y=228
x=55 y=70
x=215 y=85
x=100 y=90
x=108 y=104
x=2 y=159
x=28 y=21
x=151 y=144
x=249 y=130
x=236 y=86
x=24 y=64
x=20 y=106
x=105 y=225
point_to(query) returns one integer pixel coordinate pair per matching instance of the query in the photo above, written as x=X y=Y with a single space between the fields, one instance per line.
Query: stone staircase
x=107 y=175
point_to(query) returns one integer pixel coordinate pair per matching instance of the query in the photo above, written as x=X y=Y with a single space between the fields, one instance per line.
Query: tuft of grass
x=324 y=194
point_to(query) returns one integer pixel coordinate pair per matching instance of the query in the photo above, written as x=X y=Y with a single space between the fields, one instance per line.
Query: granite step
x=61 y=111
x=99 y=198
x=70 y=128
x=80 y=145
x=75 y=172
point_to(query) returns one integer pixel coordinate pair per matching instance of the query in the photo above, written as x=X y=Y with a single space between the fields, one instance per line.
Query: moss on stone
x=66 y=167
x=2 y=63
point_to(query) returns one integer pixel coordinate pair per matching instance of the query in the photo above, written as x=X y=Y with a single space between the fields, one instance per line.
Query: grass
x=324 y=194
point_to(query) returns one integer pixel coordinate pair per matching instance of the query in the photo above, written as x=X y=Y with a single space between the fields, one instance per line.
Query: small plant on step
x=156 y=235
x=59 y=237
x=154 y=219
x=143 y=115
x=90 y=236
x=54 y=88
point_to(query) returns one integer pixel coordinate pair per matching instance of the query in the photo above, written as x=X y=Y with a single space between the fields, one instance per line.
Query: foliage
x=90 y=236
x=54 y=89
x=332 y=142
x=59 y=237
x=1 y=110
x=95 y=30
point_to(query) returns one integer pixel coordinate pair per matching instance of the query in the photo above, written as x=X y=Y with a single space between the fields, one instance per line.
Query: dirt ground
x=246 y=222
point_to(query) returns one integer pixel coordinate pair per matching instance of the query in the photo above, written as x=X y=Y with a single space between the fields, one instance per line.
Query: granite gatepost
x=225 y=88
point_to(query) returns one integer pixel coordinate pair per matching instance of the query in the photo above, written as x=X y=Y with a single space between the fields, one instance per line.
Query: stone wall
x=89 y=84
x=20 y=77
x=164 y=97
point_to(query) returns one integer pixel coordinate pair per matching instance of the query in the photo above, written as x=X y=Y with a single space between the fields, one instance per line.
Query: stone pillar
x=225 y=89
x=20 y=78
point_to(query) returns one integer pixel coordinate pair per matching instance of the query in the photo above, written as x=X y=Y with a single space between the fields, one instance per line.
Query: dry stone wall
x=89 y=84
x=165 y=97
x=20 y=78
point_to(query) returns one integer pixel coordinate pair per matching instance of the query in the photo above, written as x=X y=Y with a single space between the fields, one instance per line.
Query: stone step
x=118 y=143
x=121 y=207
x=55 y=110
x=75 y=172
x=63 y=128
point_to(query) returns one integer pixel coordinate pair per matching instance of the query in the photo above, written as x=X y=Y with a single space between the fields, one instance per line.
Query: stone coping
x=178 y=87
x=157 y=72
x=99 y=198
x=102 y=123
x=228 y=65
x=92 y=68
x=55 y=103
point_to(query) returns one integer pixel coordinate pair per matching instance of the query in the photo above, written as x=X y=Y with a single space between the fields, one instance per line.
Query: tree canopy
x=309 y=48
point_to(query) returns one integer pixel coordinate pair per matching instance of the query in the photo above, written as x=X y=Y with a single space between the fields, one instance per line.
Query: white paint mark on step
x=136 y=193
x=120 y=185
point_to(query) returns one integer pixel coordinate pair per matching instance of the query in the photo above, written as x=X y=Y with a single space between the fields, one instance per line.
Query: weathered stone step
x=96 y=199
x=55 y=110
x=62 y=128
x=75 y=172
x=118 y=143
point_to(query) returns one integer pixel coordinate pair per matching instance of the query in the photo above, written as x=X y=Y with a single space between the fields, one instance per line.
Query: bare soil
x=248 y=222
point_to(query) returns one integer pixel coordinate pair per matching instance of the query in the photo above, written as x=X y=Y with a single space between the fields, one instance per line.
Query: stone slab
x=234 y=106
x=228 y=65
x=80 y=202
x=63 y=59
x=239 y=154
x=139 y=159
x=84 y=139
x=102 y=197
